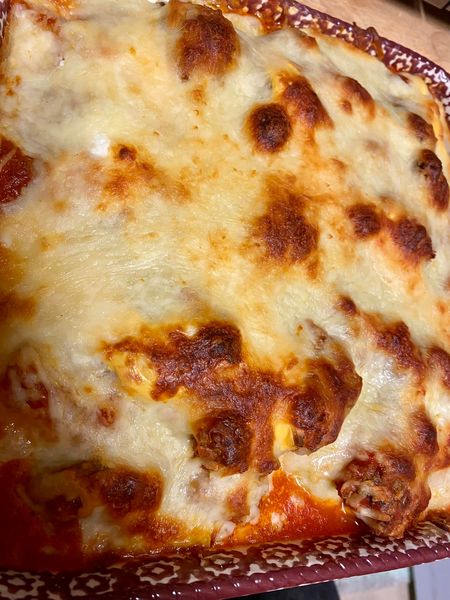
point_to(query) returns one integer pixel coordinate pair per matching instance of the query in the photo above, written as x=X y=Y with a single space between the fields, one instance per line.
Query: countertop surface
x=404 y=22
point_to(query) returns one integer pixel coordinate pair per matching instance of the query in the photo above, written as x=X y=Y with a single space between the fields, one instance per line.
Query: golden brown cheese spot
x=286 y=234
x=60 y=206
x=106 y=416
x=346 y=107
x=395 y=340
x=356 y=94
x=424 y=434
x=318 y=411
x=422 y=130
x=11 y=269
x=429 y=165
x=269 y=127
x=198 y=95
x=307 y=41
x=13 y=306
x=10 y=83
x=208 y=43
x=132 y=174
x=120 y=183
x=338 y=166
x=123 y=490
x=237 y=504
x=413 y=240
x=47 y=22
x=442 y=307
x=303 y=104
x=440 y=360
x=365 y=220
x=126 y=153
x=347 y=306
x=314 y=268
x=376 y=148
x=223 y=440
x=385 y=491
x=16 y=171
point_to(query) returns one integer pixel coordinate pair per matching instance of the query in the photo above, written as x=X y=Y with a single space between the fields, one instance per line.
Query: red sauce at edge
x=36 y=540
x=289 y=512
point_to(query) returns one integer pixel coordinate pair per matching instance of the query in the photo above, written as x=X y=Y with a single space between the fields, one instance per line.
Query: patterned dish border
x=393 y=55
x=218 y=575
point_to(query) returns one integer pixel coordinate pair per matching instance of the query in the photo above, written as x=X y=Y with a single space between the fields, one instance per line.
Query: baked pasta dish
x=224 y=285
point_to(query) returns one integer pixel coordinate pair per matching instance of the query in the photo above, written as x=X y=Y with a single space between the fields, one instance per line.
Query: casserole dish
x=259 y=568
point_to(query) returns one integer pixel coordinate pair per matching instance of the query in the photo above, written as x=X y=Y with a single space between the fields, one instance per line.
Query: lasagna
x=224 y=287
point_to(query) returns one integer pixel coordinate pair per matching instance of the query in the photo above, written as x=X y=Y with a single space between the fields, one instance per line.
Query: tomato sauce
x=289 y=512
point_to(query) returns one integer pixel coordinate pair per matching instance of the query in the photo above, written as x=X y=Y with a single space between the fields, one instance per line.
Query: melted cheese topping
x=189 y=172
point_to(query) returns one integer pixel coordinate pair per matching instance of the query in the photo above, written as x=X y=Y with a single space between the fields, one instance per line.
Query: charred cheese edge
x=225 y=284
